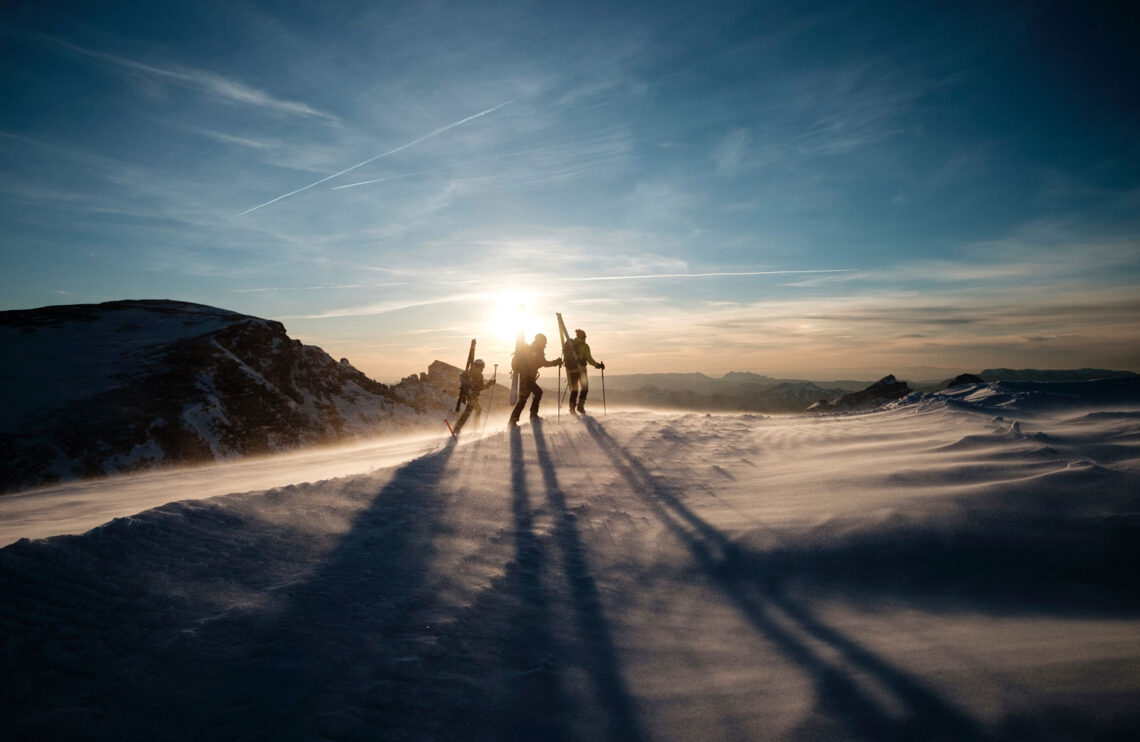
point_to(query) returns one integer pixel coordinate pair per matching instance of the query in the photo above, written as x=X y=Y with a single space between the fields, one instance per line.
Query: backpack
x=522 y=362
x=570 y=356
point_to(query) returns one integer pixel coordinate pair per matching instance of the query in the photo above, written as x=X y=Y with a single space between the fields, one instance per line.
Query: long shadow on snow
x=533 y=693
x=507 y=639
x=105 y=644
x=596 y=645
x=762 y=600
x=336 y=662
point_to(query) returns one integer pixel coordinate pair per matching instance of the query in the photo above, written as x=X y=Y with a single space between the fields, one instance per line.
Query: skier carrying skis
x=576 y=375
x=472 y=383
x=527 y=362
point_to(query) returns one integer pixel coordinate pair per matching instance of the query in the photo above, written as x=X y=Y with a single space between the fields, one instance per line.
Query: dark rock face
x=885 y=390
x=964 y=379
x=90 y=390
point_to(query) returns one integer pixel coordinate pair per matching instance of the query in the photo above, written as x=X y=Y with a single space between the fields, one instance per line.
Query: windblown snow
x=958 y=566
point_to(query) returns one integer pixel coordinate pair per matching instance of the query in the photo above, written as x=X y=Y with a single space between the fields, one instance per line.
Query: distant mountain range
x=1032 y=374
x=748 y=392
x=97 y=389
x=732 y=392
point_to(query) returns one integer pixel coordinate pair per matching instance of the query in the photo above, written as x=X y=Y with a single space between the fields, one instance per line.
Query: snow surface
x=75 y=507
x=961 y=566
x=89 y=350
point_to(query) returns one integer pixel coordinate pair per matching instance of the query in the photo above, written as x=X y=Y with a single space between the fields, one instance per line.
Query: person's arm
x=585 y=356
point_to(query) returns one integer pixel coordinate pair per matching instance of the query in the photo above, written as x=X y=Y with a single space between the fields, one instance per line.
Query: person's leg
x=584 y=383
x=537 y=392
x=572 y=382
x=462 y=418
x=520 y=405
x=526 y=386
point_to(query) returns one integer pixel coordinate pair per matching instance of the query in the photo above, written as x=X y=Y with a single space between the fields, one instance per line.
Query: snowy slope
x=961 y=566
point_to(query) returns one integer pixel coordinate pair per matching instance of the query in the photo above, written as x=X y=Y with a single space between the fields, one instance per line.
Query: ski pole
x=559 y=415
x=604 y=392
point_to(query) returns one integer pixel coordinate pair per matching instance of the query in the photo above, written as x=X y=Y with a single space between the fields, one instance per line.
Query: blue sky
x=808 y=189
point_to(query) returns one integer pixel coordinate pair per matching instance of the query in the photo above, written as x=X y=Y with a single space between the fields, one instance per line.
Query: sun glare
x=509 y=316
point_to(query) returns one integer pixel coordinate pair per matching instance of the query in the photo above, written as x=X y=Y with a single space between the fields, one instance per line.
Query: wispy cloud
x=219 y=136
x=368 y=310
x=1037 y=252
x=705 y=275
x=732 y=150
x=562 y=160
x=379 y=156
x=890 y=333
x=854 y=106
x=336 y=287
x=203 y=81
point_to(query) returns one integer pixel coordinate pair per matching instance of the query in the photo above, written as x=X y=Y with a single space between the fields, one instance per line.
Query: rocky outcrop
x=963 y=380
x=884 y=391
x=100 y=389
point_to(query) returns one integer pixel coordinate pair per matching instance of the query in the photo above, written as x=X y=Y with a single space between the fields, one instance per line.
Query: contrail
x=381 y=180
x=383 y=154
x=705 y=275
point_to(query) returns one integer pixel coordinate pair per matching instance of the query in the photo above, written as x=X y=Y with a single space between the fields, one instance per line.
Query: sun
x=509 y=316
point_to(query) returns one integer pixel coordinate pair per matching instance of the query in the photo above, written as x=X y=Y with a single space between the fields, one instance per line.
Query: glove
x=559 y=361
x=602 y=366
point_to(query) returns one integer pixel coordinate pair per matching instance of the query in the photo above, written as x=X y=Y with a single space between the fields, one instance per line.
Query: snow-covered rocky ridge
x=91 y=390
x=882 y=392
x=958 y=566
